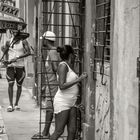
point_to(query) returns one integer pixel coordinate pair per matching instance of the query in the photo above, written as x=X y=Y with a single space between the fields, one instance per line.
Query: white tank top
x=16 y=51
x=65 y=99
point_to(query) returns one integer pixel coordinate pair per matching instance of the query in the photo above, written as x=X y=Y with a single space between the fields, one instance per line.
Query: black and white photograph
x=69 y=69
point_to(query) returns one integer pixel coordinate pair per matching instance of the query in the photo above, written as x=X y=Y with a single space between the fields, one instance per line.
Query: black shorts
x=15 y=73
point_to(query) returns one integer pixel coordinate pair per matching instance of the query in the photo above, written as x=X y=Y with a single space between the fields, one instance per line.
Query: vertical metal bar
x=39 y=63
x=63 y=23
x=89 y=125
x=35 y=55
x=139 y=89
x=111 y=73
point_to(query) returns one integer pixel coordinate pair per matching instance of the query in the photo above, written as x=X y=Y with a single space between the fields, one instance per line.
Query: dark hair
x=65 y=51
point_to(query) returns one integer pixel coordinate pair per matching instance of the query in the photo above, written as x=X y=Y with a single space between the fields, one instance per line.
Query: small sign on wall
x=13 y=25
x=9 y=10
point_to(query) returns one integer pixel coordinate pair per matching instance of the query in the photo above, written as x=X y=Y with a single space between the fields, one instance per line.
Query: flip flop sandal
x=40 y=136
x=10 y=109
x=17 y=108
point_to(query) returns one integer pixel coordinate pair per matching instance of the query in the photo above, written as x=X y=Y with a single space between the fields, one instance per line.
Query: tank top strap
x=63 y=62
x=11 y=40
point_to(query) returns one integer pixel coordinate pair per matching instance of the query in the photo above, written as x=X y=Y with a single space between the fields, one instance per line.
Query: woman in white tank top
x=66 y=96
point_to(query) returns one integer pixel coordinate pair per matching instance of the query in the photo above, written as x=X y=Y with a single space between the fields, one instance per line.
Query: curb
x=3 y=135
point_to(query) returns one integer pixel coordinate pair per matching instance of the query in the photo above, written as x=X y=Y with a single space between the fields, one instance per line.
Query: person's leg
x=48 y=105
x=72 y=123
x=20 y=75
x=10 y=76
x=18 y=94
x=10 y=92
x=61 y=120
x=48 y=120
x=49 y=93
x=45 y=133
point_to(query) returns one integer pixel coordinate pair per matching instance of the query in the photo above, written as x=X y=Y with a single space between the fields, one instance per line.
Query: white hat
x=48 y=35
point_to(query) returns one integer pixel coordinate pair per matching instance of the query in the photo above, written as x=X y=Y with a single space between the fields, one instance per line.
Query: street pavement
x=18 y=125
x=23 y=124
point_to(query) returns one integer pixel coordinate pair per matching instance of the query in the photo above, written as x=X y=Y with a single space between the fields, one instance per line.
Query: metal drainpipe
x=89 y=125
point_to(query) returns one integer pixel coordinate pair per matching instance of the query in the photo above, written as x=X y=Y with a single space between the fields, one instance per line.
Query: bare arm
x=55 y=66
x=54 y=59
x=5 y=47
x=62 y=72
x=26 y=50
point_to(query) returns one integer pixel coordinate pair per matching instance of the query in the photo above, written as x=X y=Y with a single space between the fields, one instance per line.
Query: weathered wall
x=124 y=109
x=102 y=107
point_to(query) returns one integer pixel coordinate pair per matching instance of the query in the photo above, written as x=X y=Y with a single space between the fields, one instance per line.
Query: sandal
x=10 y=109
x=17 y=108
x=38 y=136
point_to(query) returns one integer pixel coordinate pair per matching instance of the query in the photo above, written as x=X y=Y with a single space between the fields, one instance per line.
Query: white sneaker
x=17 y=107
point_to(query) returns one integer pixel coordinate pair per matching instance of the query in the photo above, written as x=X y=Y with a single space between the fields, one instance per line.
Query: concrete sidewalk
x=23 y=124
x=18 y=125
